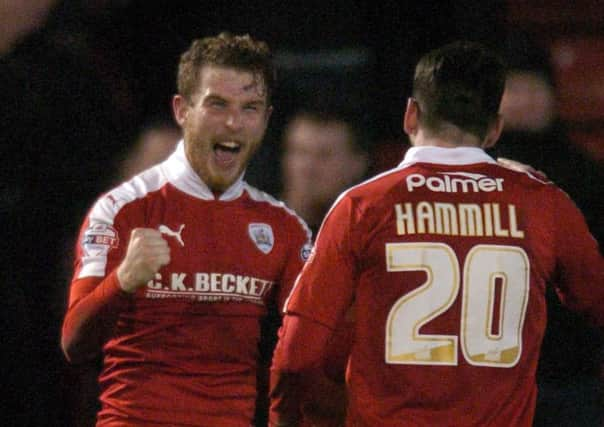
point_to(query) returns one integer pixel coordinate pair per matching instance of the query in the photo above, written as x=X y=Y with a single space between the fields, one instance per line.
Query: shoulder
x=107 y=207
x=374 y=187
x=353 y=204
x=522 y=172
x=277 y=207
x=532 y=181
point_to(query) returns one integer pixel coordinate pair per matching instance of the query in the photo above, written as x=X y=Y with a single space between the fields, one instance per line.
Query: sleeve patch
x=305 y=251
x=99 y=239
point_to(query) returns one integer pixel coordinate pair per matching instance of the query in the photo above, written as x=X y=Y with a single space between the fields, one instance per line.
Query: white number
x=482 y=342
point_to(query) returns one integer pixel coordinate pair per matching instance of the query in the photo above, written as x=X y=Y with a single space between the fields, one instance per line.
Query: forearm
x=92 y=309
x=299 y=352
x=285 y=395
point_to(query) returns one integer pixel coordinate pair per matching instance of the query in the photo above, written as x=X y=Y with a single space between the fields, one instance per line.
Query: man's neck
x=450 y=138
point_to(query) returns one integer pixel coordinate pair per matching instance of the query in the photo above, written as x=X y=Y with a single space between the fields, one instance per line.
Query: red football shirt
x=446 y=259
x=183 y=349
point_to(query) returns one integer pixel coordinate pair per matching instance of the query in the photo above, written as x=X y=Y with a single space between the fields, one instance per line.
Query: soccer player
x=176 y=267
x=446 y=258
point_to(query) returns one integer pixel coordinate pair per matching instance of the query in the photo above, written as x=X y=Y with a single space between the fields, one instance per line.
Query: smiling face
x=223 y=123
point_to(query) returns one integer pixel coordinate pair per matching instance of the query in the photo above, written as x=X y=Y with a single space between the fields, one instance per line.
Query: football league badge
x=262 y=236
x=99 y=239
x=306 y=251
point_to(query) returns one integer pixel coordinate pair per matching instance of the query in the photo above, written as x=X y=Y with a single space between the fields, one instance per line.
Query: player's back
x=453 y=260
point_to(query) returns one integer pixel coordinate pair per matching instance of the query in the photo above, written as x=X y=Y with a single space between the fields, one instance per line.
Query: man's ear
x=180 y=108
x=411 y=119
x=494 y=132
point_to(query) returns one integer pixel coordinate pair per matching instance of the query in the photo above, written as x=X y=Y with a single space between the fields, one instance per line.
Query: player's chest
x=219 y=238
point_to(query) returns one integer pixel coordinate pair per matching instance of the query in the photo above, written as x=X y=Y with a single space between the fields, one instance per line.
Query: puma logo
x=176 y=234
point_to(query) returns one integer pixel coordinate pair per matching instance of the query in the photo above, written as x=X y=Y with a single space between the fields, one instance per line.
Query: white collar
x=449 y=156
x=180 y=174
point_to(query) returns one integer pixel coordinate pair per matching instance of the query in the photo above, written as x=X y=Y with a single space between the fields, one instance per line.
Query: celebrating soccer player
x=446 y=258
x=176 y=267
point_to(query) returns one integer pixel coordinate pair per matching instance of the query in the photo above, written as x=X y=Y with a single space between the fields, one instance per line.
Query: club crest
x=262 y=236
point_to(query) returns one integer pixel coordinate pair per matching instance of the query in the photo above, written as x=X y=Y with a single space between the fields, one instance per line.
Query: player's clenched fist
x=147 y=252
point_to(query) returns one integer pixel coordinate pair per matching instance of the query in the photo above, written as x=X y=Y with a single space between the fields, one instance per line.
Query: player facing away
x=446 y=259
x=176 y=267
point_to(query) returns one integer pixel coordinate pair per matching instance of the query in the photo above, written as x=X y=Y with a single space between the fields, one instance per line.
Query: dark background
x=78 y=89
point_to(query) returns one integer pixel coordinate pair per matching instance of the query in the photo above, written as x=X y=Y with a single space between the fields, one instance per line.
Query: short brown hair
x=241 y=52
x=460 y=83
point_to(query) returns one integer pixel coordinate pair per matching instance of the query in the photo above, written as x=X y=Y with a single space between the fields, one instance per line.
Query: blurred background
x=86 y=89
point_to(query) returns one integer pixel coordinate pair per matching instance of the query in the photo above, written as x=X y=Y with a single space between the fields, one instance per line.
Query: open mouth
x=228 y=146
x=226 y=152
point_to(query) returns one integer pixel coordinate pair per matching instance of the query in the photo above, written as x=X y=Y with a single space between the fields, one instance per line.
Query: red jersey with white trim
x=446 y=259
x=182 y=351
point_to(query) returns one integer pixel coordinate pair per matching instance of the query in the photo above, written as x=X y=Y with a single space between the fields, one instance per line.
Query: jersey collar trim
x=180 y=174
x=450 y=156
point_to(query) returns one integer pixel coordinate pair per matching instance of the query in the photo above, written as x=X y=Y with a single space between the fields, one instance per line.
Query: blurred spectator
x=323 y=155
x=569 y=389
x=18 y=18
x=156 y=141
x=534 y=133
x=528 y=104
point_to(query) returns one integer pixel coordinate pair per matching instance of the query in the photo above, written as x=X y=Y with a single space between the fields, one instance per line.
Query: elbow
x=75 y=355
x=70 y=350
x=76 y=352
x=68 y=344
x=295 y=353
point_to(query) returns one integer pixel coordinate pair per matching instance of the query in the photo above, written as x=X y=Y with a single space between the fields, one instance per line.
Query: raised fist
x=147 y=252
